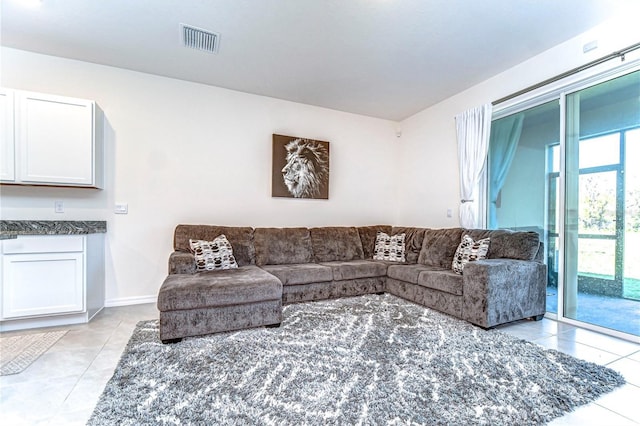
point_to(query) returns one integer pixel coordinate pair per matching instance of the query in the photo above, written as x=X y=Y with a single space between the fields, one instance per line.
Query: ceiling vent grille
x=197 y=38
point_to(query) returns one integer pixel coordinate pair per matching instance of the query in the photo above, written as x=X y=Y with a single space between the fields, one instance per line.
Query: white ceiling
x=382 y=58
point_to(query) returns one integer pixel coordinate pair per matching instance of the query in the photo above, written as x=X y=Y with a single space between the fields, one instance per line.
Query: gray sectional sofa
x=287 y=265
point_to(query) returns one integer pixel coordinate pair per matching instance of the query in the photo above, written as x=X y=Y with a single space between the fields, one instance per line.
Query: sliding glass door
x=580 y=190
x=602 y=123
x=631 y=271
x=523 y=180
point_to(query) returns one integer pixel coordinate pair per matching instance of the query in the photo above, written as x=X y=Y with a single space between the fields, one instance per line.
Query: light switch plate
x=58 y=206
x=121 y=208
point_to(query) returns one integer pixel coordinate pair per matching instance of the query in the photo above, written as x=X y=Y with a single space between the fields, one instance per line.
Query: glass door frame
x=558 y=91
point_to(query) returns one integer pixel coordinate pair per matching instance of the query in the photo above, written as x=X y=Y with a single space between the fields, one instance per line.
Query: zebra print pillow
x=213 y=255
x=468 y=251
x=389 y=247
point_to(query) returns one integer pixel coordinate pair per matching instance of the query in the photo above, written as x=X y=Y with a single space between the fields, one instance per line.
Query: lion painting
x=306 y=168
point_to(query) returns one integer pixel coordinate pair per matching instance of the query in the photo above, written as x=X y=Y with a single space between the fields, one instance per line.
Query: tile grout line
x=59 y=408
x=614 y=412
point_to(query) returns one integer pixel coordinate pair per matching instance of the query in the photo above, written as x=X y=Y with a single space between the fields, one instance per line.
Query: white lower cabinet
x=51 y=280
x=49 y=284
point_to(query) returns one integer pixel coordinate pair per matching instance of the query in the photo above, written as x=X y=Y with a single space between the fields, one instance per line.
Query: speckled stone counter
x=13 y=228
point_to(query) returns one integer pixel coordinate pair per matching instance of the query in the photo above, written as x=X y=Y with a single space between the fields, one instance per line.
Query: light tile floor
x=64 y=384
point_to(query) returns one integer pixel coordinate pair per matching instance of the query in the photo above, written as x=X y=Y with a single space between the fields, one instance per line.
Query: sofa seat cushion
x=407 y=273
x=354 y=269
x=279 y=246
x=441 y=279
x=301 y=273
x=247 y=284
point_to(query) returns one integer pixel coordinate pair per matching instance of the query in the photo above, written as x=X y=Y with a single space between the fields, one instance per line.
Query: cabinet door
x=42 y=284
x=54 y=137
x=7 y=158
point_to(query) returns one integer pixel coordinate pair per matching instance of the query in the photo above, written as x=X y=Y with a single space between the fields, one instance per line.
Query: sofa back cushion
x=241 y=239
x=413 y=239
x=368 y=238
x=507 y=244
x=333 y=243
x=281 y=246
x=439 y=246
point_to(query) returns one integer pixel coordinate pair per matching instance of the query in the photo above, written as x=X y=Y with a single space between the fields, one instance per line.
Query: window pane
x=597 y=203
x=553 y=264
x=522 y=148
x=632 y=216
x=553 y=205
x=601 y=151
x=597 y=257
x=555 y=158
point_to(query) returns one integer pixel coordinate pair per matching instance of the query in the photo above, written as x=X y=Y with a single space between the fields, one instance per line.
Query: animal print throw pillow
x=213 y=255
x=389 y=247
x=468 y=251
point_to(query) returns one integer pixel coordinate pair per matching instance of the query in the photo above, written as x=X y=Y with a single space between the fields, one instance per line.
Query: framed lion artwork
x=300 y=168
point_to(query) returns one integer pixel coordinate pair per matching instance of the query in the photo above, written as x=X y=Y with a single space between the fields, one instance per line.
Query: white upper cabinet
x=7 y=157
x=56 y=141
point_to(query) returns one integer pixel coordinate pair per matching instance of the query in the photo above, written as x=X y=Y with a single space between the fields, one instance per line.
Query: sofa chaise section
x=211 y=302
x=195 y=303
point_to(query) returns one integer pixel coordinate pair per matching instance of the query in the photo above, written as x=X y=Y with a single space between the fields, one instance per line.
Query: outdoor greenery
x=632 y=211
x=598 y=205
x=597 y=216
x=596 y=258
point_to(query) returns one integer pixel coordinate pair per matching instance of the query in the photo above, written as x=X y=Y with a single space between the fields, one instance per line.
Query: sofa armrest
x=181 y=262
x=497 y=291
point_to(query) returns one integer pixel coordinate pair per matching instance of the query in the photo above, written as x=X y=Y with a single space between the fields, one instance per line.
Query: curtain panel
x=505 y=136
x=472 y=128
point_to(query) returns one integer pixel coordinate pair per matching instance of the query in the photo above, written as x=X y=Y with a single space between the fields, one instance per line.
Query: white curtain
x=472 y=127
x=505 y=136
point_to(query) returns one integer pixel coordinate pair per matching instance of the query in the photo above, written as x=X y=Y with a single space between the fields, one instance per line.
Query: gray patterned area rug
x=363 y=360
x=19 y=352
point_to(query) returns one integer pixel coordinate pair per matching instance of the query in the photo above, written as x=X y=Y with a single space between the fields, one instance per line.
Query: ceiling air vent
x=197 y=38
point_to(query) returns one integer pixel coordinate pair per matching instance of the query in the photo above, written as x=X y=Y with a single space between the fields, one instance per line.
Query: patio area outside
x=617 y=313
x=608 y=286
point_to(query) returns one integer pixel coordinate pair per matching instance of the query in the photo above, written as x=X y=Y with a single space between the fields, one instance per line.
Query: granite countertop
x=13 y=228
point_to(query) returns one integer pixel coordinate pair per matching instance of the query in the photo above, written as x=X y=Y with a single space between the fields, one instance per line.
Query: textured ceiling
x=382 y=58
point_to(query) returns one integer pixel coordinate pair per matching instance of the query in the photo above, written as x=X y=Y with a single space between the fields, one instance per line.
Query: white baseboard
x=126 y=301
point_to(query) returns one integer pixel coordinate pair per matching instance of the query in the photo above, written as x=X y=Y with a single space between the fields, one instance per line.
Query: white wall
x=429 y=183
x=179 y=152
